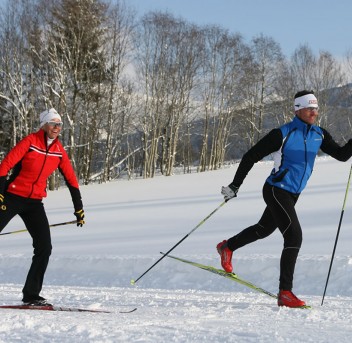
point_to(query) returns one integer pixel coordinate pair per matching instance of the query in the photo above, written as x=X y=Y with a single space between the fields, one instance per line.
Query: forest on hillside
x=142 y=96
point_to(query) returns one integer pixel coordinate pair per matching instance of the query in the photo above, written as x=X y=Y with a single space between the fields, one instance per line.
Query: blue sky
x=322 y=24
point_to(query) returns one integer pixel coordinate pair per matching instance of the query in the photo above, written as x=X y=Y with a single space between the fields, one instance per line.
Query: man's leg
x=282 y=207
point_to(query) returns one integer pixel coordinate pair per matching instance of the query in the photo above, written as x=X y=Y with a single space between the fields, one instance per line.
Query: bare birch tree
x=259 y=84
x=19 y=85
x=284 y=90
x=327 y=75
x=168 y=61
x=222 y=71
x=302 y=64
x=317 y=73
x=74 y=45
x=121 y=25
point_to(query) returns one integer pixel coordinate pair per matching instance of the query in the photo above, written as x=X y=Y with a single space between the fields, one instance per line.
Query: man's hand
x=229 y=191
x=80 y=216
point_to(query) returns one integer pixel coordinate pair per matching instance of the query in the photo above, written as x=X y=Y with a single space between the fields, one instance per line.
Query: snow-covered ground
x=130 y=222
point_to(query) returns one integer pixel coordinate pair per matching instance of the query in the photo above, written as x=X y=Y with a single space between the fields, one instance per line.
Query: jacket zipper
x=305 y=158
x=40 y=173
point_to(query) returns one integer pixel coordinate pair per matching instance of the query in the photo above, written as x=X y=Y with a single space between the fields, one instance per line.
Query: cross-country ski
x=59 y=308
x=230 y=276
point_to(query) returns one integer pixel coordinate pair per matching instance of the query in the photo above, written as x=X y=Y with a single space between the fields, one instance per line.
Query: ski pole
x=179 y=242
x=337 y=235
x=52 y=225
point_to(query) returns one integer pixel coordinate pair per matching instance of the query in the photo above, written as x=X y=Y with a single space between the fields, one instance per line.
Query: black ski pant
x=34 y=217
x=279 y=213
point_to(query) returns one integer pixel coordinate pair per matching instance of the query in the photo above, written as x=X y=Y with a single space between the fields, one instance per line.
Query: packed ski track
x=130 y=222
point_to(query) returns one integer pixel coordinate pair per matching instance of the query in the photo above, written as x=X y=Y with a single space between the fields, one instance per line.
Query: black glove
x=229 y=191
x=80 y=216
x=2 y=206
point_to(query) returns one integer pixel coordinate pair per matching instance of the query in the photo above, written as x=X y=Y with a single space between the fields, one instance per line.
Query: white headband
x=308 y=100
x=48 y=115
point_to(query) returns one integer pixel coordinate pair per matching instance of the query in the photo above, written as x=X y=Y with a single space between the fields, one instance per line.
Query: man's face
x=308 y=114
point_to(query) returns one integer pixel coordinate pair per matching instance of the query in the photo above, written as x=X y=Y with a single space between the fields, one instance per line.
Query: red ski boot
x=226 y=256
x=287 y=298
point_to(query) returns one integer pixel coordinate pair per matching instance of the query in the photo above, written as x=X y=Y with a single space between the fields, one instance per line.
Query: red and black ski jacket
x=33 y=162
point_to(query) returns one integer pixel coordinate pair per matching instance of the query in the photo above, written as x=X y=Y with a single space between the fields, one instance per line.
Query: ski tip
x=129 y=311
x=133 y=282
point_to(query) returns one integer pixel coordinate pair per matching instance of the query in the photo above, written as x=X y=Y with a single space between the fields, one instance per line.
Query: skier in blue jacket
x=294 y=147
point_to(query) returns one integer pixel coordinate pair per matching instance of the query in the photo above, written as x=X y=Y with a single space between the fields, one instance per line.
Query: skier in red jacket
x=32 y=161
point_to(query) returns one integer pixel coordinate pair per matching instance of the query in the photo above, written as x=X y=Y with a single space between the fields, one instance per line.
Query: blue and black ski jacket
x=294 y=147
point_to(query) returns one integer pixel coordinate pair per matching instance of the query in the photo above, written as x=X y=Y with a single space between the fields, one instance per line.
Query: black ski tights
x=279 y=213
x=33 y=215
